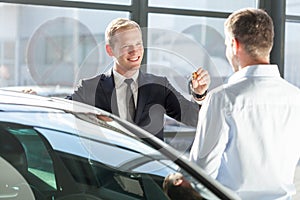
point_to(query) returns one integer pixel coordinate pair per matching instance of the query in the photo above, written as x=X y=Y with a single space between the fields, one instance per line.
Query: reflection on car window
x=104 y=121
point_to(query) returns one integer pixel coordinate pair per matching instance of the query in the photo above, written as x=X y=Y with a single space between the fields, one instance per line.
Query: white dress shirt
x=121 y=91
x=248 y=134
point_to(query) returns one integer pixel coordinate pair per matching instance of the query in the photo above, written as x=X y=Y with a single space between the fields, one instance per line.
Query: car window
x=38 y=159
x=29 y=156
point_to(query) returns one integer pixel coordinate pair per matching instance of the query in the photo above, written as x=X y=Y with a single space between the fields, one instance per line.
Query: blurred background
x=55 y=43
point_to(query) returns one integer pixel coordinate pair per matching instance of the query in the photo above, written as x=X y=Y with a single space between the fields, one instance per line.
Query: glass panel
x=292 y=54
x=217 y=5
x=9 y=50
x=6 y=74
x=120 y=2
x=292 y=7
x=38 y=159
x=184 y=44
x=57 y=48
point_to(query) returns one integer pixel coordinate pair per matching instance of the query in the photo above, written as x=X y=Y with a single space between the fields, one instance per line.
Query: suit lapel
x=107 y=86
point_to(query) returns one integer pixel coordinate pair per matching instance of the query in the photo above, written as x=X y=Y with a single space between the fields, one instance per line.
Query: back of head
x=117 y=25
x=254 y=29
x=176 y=187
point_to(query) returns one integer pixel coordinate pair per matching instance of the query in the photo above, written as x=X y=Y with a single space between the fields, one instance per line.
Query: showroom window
x=118 y=2
x=292 y=42
x=58 y=42
x=184 y=44
x=45 y=45
x=217 y=5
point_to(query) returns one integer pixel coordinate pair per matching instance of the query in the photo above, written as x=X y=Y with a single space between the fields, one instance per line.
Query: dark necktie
x=129 y=101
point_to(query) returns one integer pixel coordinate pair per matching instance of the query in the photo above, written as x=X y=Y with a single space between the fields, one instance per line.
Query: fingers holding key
x=200 y=81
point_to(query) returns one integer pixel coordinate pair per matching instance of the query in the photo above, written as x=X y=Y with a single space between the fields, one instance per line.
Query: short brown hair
x=118 y=24
x=254 y=29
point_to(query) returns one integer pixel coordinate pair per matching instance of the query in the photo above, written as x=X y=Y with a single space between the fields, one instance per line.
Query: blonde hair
x=118 y=24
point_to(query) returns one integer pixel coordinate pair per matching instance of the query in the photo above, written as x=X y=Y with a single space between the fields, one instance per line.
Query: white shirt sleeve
x=211 y=136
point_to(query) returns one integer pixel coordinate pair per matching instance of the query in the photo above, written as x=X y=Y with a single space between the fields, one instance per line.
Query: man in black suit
x=153 y=96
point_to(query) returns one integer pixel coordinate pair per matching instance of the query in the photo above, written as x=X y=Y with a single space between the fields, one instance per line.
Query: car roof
x=20 y=98
x=19 y=102
x=43 y=90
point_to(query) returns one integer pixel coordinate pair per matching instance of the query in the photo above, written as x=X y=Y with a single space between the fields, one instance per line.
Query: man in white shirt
x=248 y=130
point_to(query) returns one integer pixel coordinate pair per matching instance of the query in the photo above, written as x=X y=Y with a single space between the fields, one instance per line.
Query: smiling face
x=127 y=50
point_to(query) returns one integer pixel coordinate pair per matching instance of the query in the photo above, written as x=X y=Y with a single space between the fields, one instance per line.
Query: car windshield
x=71 y=153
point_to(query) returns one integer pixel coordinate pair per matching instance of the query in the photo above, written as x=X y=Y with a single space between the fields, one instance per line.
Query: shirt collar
x=119 y=79
x=255 y=71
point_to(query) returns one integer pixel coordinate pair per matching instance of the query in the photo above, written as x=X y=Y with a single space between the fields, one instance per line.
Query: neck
x=125 y=73
x=258 y=62
x=248 y=60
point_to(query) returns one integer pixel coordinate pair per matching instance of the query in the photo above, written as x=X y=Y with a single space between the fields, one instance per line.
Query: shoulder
x=152 y=78
x=96 y=78
x=220 y=95
x=93 y=78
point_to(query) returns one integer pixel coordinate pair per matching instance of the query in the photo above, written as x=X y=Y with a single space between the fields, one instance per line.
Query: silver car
x=57 y=149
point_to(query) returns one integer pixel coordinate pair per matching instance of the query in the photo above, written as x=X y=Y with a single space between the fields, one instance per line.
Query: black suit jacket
x=156 y=97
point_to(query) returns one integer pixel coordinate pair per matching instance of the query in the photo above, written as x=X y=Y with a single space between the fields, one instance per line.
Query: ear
x=177 y=181
x=235 y=45
x=109 y=50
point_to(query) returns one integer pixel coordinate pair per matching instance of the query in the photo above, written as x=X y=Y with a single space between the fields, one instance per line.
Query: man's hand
x=29 y=91
x=200 y=81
